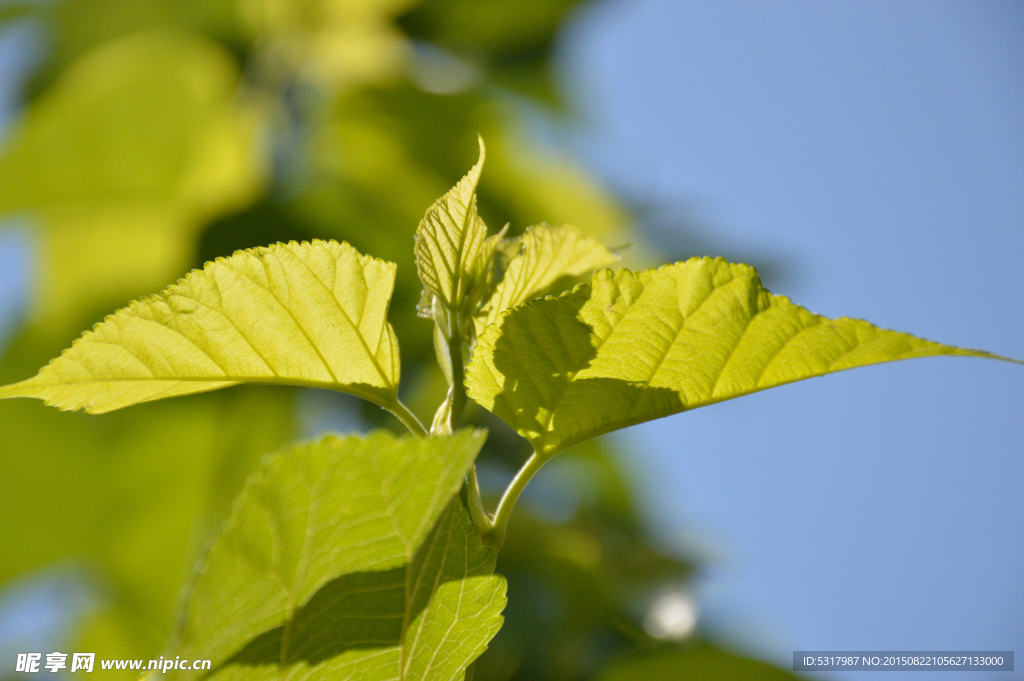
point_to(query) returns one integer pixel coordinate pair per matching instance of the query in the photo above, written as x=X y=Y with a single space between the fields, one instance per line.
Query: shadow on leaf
x=362 y=610
x=368 y=610
x=545 y=397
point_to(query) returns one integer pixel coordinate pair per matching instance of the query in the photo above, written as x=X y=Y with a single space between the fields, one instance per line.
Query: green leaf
x=310 y=314
x=450 y=241
x=632 y=347
x=547 y=254
x=348 y=558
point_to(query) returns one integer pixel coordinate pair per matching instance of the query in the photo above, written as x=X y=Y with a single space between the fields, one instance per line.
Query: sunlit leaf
x=496 y=249
x=450 y=241
x=632 y=347
x=547 y=254
x=348 y=558
x=310 y=314
x=390 y=152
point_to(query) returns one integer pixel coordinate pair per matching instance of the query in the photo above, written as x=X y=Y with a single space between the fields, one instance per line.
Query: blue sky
x=18 y=49
x=876 y=148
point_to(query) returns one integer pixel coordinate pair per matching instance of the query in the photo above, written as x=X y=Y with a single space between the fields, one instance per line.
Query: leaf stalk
x=457 y=407
x=457 y=362
x=508 y=501
x=476 y=504
x=403 y=414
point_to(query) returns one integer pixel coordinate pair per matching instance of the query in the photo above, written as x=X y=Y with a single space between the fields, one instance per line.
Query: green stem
x=457 y=393
x=458 y=386
x=456 y=403
x=508 y=500
x=408 y=418
x=476 y=504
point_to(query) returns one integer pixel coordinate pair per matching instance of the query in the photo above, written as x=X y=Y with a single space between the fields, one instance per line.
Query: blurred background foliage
x=156 y=135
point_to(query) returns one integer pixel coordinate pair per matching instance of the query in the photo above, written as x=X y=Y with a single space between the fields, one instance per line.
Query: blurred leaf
x=120 y=162
x=366 y=163
x=546 y=254
x=361 y=157
x=13 y=10
x=266 y=222
x=632 y=347
x=513 y=39
x=75 y=27
x=425 y=140
x=131 y=498
x=581 y=569
x=498 y=27
x=349 y=557
x=697 y=663
x=121 y=633
x=335 y=42
x=296 y=314
x=544 y=185
x=387 y=152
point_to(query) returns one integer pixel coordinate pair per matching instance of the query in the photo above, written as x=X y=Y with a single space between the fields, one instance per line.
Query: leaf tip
x=483 y=149
x=478 y=434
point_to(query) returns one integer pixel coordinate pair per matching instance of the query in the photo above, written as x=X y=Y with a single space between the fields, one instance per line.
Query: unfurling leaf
x=310 y=314
x=450 y=241
x=546 y=255
x=632 y=347
x=348 y=559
